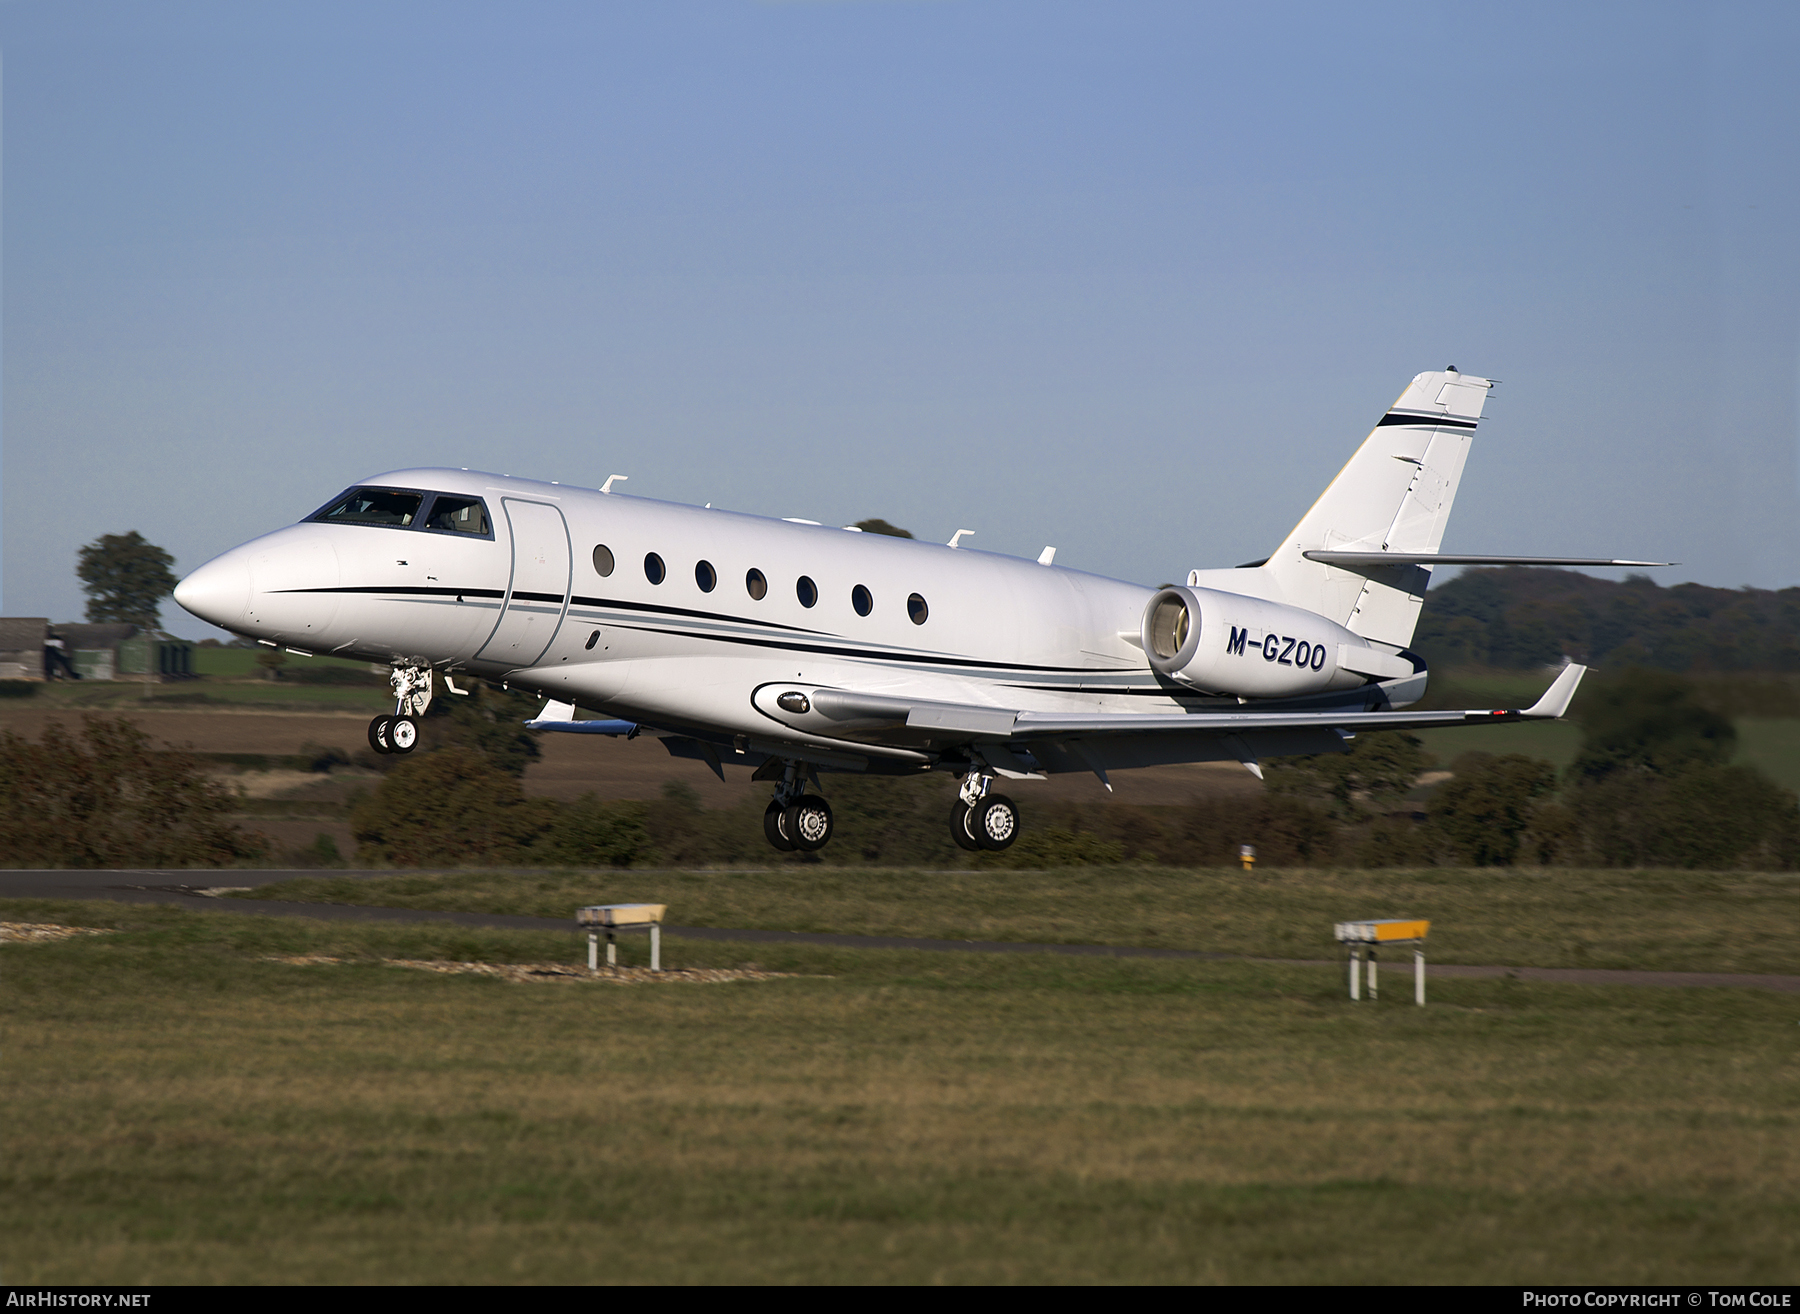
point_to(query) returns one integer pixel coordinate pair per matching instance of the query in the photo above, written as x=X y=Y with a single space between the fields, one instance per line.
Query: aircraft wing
x=1551 y=706
x=839 y=724
x=957 y=721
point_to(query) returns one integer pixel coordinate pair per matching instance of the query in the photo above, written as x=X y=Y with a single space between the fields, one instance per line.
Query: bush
x=1651 y=720
x=589 y=833
x=1709 y=816
x=489 y=721
x=1051 y=847
x=322 y=852
x=107 y=799
x=1488 y=804
x=1374 y=775
x=449 y=807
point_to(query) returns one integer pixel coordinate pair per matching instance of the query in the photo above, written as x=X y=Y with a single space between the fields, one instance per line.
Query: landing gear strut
x=980 y=820
x=795 y=819
x=399 y=733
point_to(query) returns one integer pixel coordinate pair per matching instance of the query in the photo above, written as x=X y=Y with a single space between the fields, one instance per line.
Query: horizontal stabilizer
x=1373 y=662
x=1366 y=560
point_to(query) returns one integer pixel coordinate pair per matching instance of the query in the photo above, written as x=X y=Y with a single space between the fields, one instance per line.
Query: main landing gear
x=399 y=733
x=794 y=819
x=980 y=820
x=797 y=820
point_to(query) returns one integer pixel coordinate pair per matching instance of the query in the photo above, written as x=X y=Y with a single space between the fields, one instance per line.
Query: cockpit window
x=373 y=506
x=463 y=515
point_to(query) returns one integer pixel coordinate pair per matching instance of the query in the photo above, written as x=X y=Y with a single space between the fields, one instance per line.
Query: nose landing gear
x=399 y=733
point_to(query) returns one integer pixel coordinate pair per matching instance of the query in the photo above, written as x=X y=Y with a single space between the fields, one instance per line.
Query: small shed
x=22 y=641
x=94 y=648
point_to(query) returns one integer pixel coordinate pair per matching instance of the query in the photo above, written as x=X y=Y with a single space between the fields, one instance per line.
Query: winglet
x=1556 y=698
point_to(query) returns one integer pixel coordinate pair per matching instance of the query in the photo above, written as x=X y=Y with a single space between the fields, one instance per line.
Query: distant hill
x=1518 y=617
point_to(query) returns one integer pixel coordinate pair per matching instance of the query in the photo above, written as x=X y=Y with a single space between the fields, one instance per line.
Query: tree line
x=1520 y=617
x=1651 y=786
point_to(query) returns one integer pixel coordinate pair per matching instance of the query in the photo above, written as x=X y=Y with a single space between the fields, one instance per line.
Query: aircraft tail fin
x=1393 y=496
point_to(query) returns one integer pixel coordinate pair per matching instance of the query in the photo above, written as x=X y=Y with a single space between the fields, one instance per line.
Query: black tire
x=959 y=827
x=995 y=822
x=808 y=823
x=775 y=826
x=402 y=734
x=378 y=734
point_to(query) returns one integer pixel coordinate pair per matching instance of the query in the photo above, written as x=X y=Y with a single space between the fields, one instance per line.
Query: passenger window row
x=756 y=584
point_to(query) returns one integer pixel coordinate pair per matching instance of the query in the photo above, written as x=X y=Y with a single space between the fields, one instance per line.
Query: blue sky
x=1132 y=279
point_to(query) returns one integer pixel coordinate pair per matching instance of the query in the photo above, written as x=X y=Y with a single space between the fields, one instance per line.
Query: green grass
x=1554 y=741
x=240 y=663
x=181 y=1110
x=1772 y=746
x=1553 y=917
x=282 y=695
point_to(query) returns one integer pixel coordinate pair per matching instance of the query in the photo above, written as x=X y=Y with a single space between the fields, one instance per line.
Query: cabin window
x=916 y=608
x=706 y=577
x=807 y=591
x=862 y=600
x=373 y=506
x=459 y=515
x=756 y=585
x=654 y=570
x=603 y=561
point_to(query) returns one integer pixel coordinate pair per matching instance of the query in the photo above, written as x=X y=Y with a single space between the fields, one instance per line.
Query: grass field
x=1554 y=741
x=1520 y=917
x=123 y=696
x=182 y=1109
x=1772 y=746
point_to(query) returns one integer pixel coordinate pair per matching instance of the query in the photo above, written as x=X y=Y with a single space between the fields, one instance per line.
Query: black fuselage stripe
x=413 y=590
x=877 y=654
x=619 y=604
x=1424 y=421
x=658 y=609
x=925 y=659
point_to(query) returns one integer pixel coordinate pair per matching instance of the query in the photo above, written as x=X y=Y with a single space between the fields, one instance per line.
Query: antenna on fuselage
x=957 y=537
x=610 y=480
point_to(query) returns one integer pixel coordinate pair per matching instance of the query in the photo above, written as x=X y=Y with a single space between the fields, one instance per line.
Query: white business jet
x=793 y=648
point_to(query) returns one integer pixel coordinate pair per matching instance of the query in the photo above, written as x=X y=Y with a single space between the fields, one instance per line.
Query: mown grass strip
x=181 y=1109
x=1548 y=917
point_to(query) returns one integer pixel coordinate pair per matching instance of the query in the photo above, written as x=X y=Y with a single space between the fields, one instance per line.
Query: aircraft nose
x=218 y=592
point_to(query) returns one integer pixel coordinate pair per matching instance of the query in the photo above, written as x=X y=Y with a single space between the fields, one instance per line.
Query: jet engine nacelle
x=1225 y=643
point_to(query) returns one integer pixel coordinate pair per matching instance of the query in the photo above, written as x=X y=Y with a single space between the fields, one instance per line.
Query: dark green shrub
x=451 y=807
x=1484 y=809
x=107 y=799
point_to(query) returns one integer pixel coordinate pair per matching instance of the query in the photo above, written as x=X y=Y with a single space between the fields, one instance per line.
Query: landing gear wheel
x=379 y=729
x=775 y=826
x=994 y=821
x=402 y=734
x=809 y=823
x=959 y=827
